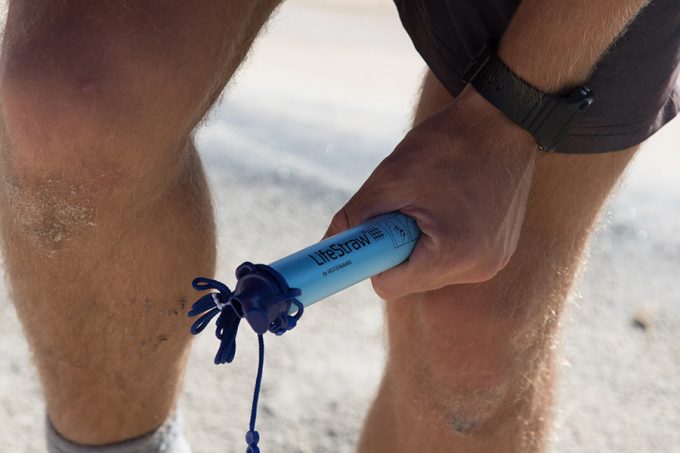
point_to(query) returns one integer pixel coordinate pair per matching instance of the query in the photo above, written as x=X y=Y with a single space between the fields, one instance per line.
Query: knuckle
x=492 y=260
x=342 y=220
x=469 y=255
x=380 y=288
x=480 y=265
x=465 y=254
x=486 y=272
x=498 y=263
x=393 y=289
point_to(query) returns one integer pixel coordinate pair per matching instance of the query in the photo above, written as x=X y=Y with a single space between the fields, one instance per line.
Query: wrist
x=548 y=118
x=476 y=108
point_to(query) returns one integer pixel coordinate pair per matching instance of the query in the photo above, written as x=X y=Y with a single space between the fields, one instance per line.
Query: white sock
x=168 y=438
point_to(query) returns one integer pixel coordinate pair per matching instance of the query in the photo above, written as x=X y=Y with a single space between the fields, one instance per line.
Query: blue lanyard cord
x=217 y=303
x=252 y=436
x=211 y=305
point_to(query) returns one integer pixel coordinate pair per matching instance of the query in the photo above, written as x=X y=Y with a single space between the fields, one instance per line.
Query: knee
x=79 y=95
x=84 y=119
x=469 y=359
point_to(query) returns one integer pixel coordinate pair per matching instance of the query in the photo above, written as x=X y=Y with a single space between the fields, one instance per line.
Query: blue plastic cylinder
x=347 y=258
x=273 y=297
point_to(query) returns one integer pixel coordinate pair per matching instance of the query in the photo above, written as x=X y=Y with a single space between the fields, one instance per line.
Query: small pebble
x=642 y=319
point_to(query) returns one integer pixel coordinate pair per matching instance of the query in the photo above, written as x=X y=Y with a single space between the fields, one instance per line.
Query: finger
x=400 y=281
x=368 y=202
x=417 y=274
x=339 y=222
x=431 y=266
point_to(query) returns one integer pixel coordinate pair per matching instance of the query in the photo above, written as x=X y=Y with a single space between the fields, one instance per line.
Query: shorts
x=633 y=84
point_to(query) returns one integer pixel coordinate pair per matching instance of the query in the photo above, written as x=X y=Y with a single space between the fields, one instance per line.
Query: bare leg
x=471 y=366
x=105 y=212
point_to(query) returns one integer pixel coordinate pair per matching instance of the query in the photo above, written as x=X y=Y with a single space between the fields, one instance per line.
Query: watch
x=547 y=117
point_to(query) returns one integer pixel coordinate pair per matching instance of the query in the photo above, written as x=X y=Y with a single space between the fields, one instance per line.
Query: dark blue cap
x=264 y=299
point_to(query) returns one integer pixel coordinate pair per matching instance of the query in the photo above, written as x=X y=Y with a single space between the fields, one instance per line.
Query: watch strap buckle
x=551 y=119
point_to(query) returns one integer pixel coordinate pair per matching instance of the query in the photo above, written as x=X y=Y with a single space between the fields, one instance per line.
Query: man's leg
x=471 y=366
x=105 y=212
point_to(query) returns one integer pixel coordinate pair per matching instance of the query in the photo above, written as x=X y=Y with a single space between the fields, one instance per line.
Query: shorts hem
x=590 y=139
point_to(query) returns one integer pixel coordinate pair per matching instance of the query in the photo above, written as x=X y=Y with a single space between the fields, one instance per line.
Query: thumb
x=340 y=222
x=352 y=214
x=379 y=194
x=358 y=209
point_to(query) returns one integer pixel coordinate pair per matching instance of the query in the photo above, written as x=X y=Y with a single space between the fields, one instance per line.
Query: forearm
x=554 y=44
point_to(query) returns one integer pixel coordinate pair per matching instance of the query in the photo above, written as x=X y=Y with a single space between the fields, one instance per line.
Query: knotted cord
x=217 y=303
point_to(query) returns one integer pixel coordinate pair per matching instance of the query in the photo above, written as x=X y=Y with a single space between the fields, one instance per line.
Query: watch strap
x=547 y=117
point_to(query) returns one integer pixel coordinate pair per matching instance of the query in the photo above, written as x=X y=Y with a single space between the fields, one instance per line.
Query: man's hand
x=464 y=174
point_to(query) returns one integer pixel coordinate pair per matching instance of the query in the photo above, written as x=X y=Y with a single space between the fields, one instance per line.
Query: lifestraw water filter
x=273 y=297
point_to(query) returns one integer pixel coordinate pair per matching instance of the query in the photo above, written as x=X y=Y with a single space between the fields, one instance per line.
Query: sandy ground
x=323 y=97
